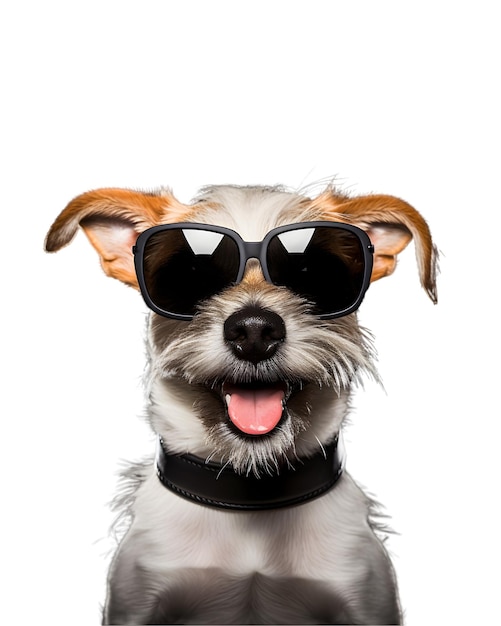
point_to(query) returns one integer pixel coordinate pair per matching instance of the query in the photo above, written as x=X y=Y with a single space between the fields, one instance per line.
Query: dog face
x=255 y=378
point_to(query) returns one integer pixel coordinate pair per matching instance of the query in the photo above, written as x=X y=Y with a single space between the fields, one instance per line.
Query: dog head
x=255 y=377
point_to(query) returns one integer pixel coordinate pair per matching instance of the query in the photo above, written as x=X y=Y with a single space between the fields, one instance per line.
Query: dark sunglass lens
x=184 y=266
x=325 y=265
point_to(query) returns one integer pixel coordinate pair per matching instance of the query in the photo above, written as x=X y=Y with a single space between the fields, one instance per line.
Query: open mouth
x=255 y=409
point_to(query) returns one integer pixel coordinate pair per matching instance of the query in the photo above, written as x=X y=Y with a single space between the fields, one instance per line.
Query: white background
x=391 y=97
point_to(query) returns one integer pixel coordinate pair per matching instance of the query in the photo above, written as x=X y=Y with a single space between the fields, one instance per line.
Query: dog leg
x=132 y=595
x=375 y=599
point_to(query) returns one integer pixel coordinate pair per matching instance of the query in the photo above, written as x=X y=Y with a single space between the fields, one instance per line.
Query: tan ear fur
x=390 y=223
x=112 y=219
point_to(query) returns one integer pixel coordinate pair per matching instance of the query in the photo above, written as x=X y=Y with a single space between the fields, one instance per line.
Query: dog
x=247 y=515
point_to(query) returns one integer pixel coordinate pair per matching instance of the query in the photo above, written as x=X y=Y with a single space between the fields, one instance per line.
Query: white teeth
x=227 y=399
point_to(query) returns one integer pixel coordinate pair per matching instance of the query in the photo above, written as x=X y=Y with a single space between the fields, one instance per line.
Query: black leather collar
x=214 y=485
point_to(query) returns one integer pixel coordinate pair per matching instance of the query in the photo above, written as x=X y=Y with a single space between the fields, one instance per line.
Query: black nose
x=254 y=333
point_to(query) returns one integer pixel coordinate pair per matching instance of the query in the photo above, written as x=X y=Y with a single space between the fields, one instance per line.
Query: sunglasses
x=178 y=266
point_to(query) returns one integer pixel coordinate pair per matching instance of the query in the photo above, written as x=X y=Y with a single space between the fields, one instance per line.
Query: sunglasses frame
x=252 y=250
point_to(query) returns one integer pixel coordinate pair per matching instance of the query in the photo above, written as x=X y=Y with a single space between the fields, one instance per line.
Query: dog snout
x=254 y=334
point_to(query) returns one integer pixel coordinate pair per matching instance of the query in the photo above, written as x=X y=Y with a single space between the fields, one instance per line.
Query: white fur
x=250 y=211
x=277 y=543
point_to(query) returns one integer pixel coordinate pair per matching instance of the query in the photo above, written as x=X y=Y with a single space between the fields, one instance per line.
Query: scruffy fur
x=180 y=562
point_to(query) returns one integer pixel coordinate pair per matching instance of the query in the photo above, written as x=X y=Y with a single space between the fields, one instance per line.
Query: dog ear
x=391 y=224
x=112 y=219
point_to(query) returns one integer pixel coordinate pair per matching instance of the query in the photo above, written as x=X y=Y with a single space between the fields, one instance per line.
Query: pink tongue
x=255 y=411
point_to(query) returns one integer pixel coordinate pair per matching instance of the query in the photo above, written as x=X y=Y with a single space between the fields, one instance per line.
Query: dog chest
x=288 y=566
x=213 y=596
x=308 y=541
